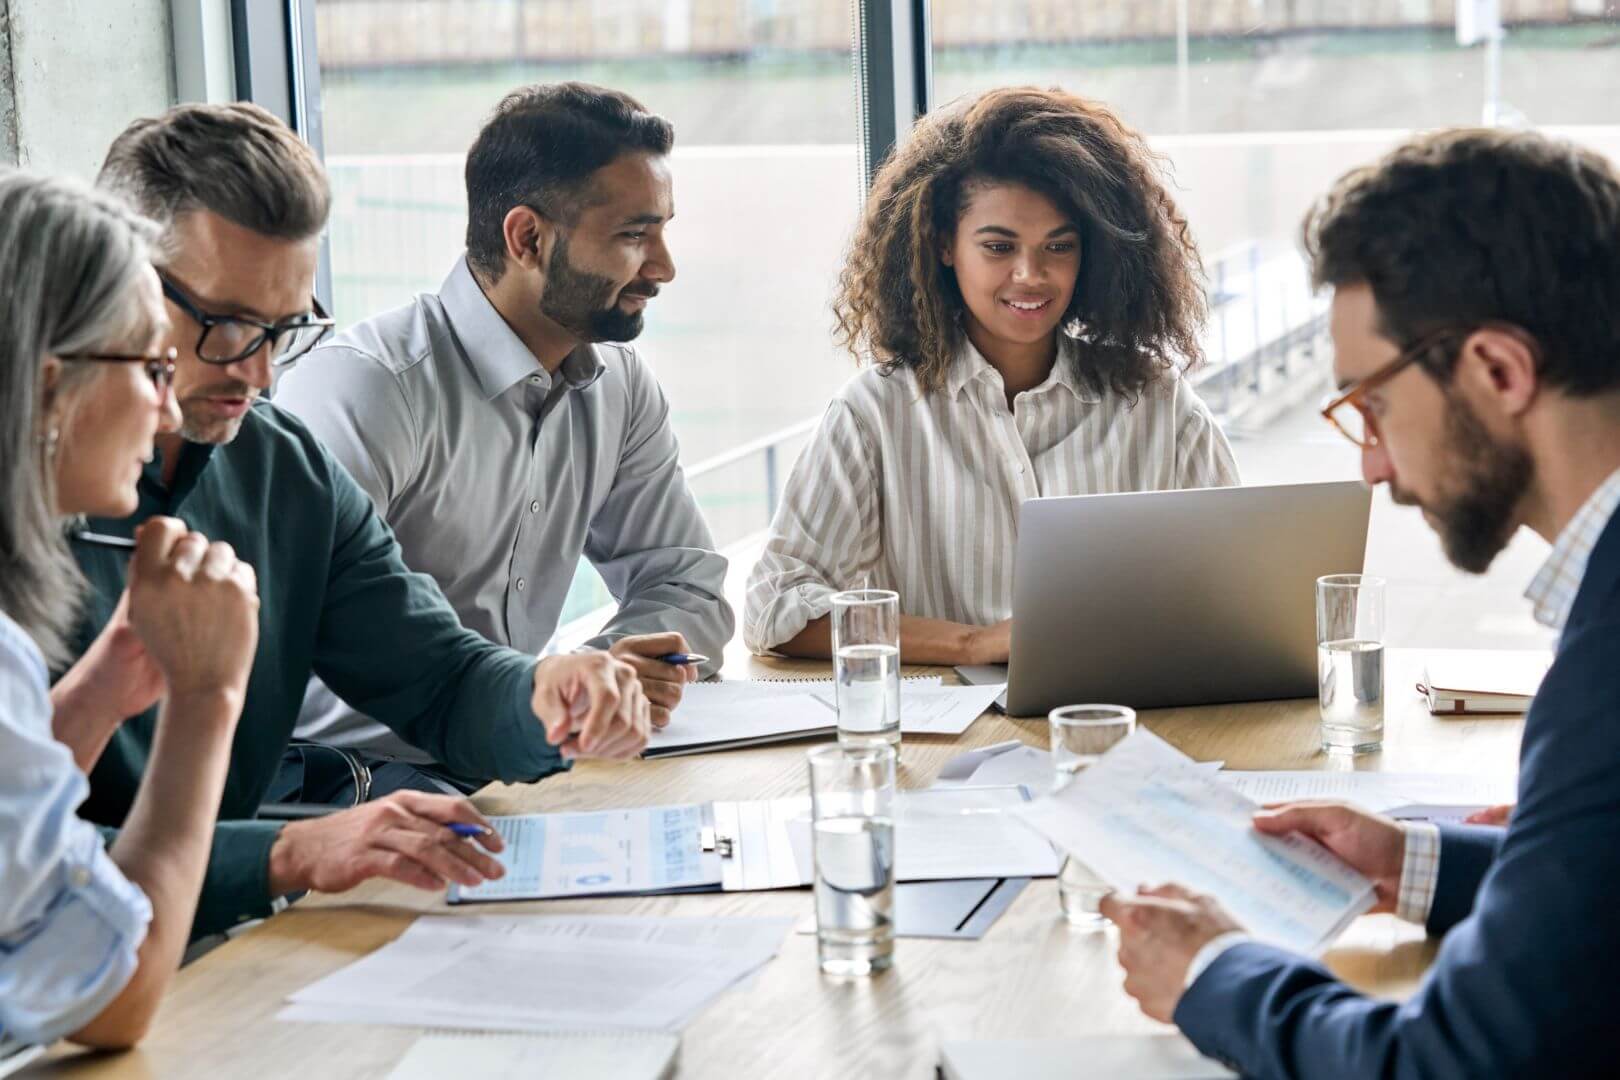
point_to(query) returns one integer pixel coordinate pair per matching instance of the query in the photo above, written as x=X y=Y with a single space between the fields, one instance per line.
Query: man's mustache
x=648 y=293
x=218 y=390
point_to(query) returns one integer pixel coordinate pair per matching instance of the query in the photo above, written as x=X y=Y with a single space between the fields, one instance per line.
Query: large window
x=766 y=191
x=1256 y=105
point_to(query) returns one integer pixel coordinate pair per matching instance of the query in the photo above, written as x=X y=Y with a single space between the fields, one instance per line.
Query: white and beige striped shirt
x=920 y=492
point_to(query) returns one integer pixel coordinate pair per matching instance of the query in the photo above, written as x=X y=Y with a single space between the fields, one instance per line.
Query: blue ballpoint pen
x=679 y=658
x=468 y=831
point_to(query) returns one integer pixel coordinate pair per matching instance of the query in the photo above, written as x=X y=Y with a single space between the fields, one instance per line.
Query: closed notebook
x=1097 y=1057
x=1467 y=681
x=627 y=1055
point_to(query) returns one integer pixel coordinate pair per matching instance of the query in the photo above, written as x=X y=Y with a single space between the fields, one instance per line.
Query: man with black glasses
x=243 y=201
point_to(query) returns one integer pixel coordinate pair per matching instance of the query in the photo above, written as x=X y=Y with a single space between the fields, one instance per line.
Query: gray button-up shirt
x=496 y=476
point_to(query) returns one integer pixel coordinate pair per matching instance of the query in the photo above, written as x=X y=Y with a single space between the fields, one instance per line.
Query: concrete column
x=73 y=73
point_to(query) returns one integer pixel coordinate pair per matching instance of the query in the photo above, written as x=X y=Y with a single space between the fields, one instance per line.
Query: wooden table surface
x=1030 y=976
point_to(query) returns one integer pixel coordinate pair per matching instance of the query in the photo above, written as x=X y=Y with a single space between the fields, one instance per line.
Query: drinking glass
x=852 y=841
x=866 y=666
x=1350 y=662
x=1080 y=735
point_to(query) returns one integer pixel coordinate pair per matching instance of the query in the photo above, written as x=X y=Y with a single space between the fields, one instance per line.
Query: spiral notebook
x=630 y=1055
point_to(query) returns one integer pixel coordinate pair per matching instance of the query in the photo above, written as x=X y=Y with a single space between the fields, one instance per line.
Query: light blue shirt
x=70 y=922
x=496 y=475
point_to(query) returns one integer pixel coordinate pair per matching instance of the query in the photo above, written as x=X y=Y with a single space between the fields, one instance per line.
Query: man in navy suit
x=1476 y=324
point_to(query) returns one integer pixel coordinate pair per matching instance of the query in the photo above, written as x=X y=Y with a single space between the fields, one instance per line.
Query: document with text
x=1146 y=814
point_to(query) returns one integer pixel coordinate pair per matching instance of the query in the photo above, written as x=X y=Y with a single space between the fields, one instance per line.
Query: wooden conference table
x=1029 y=977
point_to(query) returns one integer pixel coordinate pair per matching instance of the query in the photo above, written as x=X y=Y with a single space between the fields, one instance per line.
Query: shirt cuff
x=1207 y=955
x=1420 y=871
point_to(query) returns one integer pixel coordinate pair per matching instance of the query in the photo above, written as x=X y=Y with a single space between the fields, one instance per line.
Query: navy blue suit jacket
x=1527 y=980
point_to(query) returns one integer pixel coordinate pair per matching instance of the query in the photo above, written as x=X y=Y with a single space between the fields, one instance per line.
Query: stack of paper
x=1099 y=1057
x=544 y=973
x=1145 y=813
x=729 y=715
x=623 y=1056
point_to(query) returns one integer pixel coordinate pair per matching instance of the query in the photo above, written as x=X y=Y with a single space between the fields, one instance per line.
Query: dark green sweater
x=337 y=601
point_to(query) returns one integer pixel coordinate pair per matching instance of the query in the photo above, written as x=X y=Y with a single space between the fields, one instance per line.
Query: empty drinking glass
x=1080 y=735
x=866 y=666
x=852 y=830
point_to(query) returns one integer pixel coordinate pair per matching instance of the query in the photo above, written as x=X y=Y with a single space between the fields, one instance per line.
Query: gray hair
x=237 y=160
x=70 y=263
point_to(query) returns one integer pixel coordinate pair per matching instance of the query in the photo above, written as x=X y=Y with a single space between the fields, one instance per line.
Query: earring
x=48 y=442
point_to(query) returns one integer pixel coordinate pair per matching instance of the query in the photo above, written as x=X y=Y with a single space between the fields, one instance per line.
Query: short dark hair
x=1139 y=300
x=236 y=160
x=1460 y=227
x=539 y=147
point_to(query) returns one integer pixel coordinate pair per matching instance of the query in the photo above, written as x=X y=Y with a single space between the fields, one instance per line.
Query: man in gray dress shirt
x=502 y=426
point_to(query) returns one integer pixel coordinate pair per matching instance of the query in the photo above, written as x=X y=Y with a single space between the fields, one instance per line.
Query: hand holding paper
x=1145 y=814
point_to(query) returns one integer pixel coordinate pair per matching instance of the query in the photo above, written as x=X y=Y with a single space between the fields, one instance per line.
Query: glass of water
x=1350 y=662
x=852 y=831
x=1080 y=735
x=866 y=666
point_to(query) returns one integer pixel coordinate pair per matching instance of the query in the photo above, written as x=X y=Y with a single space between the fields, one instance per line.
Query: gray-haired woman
x=90 y=936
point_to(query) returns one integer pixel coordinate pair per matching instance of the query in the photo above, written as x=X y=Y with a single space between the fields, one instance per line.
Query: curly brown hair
x=1139 y=302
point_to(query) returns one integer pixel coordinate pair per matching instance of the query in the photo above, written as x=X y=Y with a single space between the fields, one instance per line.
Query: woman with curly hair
x=1029 y=296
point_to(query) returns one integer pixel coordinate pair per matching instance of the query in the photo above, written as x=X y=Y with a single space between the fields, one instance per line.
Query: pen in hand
x=468 y=831
x=681 y=658
x=102 y=540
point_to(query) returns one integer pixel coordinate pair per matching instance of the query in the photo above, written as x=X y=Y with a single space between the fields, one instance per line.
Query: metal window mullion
x=893 y=74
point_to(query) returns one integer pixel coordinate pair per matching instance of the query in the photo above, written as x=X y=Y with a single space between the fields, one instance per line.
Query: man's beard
x=585 y=304
x=205 y=429
x=1489 y=480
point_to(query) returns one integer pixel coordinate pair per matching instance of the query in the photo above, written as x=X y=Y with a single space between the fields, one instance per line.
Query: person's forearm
x=163 y=848
x=80 y=720
x=922 y=641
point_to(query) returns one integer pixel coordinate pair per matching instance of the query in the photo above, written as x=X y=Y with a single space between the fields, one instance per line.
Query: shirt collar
x=971 y=367
x=1552 y=591
x=498 y=356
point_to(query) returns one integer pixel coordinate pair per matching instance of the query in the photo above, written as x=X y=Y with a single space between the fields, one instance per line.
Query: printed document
x=646 y=849
x=544 y=973
x=1145 y=814
x=1379 y=792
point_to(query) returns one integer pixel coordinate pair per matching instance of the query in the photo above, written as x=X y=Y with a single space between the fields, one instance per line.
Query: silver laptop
x=1161 y=598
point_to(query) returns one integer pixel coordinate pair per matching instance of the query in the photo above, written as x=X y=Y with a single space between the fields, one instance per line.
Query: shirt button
x=520 y=584
x=1020 y=470
x=534 y=507
x=80 y=877
x=535 y=379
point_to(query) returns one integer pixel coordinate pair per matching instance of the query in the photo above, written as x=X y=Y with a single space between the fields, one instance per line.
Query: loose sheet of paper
x=942 y=834
x=1377 y=791
x=544 y=973
x=646 y=849
x=934 y=710
x=1145 y=814
x=747 y=718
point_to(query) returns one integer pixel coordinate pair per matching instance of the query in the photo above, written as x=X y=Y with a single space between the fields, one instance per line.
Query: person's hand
x=404 y=836
x=1160 y=931
x=1371 y=844
x=195 y=606
x=990 y=644
x=116 y=671
x=662 y=683
x=592 y=705
x=1491 y=815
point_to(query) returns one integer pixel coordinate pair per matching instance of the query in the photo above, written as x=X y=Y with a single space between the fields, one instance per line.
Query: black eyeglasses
x=227 y=339
x=159 y=368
